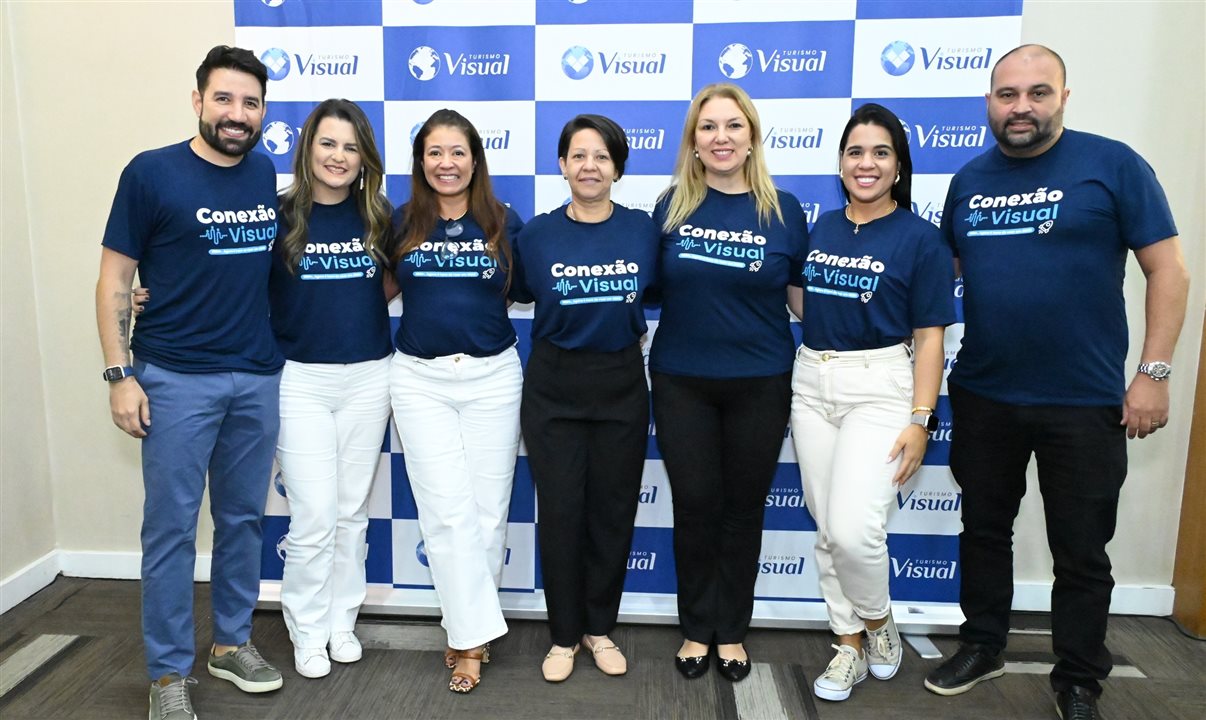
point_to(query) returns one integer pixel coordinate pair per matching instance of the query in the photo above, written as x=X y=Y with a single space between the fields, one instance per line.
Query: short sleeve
x=1143 y=213
x=131 y=219
x=519 y=291
x=932 y=290
x=947 y=229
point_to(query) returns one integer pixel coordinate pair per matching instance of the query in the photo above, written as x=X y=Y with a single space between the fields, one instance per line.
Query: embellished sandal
x=450 y=656
x=463 y=682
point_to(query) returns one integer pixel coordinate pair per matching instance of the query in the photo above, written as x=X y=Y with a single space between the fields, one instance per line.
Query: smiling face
x=869 y=165
x=334 y=160
x=229 y=114
x=1026 y=104
x=588 y=167
x=722 y=139
x=447 y=162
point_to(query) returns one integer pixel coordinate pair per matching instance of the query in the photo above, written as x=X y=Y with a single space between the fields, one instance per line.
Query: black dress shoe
x=733 y=670
x=1076 y=704
x=970 y=665
x=691 y=667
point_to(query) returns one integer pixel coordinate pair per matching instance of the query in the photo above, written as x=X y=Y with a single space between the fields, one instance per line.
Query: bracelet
x=922 y=408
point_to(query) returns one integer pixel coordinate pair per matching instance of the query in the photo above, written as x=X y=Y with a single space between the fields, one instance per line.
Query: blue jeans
x=225 y=423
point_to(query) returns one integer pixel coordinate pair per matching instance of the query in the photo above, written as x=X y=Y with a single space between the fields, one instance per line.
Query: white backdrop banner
x=519 y=70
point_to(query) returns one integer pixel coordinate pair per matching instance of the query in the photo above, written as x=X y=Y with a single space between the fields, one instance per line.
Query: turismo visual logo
x=781 y=565
x=924 y=568
x=785 y=497
x=930 y=500
x=578 y=62
x=276 y=61
x=278 y=483
x=421 y=553
x=899 y=57
x=738 y=60
x=812 y=211
x=280 y=547
x=642 y=560
x=928 y=211
x=793 y=138
x=273 y=3
x=648 y=495
x=278 y=137
x=494 y=138
x=935 y=135
x=424 y=64
x=645 y=138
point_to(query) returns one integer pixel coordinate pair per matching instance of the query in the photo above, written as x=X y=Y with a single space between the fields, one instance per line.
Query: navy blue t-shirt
x=587 y=279
x=332 y=309
x=871 y=290
x=723 y=281
x=1043 y=243
x=202 y=235
x=454 y=294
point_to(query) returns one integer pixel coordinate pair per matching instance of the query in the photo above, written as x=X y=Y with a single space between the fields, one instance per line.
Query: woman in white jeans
x=330 y=319
x=876 y=297
x=455 y=379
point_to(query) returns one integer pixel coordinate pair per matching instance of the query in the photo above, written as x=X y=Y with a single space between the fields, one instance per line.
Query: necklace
x=569 y=209
x=858 y=225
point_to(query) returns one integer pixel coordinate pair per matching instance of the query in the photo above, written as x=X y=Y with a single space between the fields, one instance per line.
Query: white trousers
x=458 y=419
x=847 y=410
x=333 y=421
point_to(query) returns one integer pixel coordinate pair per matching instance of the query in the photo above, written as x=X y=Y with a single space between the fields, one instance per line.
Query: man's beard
x=228 y=146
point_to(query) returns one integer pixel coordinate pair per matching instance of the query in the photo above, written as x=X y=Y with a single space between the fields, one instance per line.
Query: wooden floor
x=73 y=651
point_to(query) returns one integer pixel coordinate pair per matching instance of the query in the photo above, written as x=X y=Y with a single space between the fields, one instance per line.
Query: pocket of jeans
x=901 y=380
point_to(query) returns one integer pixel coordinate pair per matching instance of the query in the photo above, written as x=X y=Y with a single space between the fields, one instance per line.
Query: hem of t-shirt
x=1030 y=400
x=586 y=349
x=1152 y=241
x=475 y=352
x=714 y=376
x=308 y=360
x=193 y=369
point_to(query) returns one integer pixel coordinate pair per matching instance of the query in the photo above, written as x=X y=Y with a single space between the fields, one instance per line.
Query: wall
x=98 y=82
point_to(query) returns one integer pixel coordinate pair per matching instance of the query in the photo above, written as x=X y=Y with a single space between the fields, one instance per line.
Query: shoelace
x=883 y=642
x=174 y=697
x=250 y=659
x=841 y=667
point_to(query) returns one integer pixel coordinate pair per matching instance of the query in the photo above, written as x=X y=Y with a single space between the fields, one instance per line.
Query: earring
x=841 y=174
x=696 y=154
x=897 y=179
x=749 y=151
x=361 y=178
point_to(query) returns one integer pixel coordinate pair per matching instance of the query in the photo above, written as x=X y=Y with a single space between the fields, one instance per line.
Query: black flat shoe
x=733 y=670
x=691 y=667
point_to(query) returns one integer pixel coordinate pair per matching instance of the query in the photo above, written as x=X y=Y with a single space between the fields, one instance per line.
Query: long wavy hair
x=297 y=202
x=422 y=212
x=873 y=114
x=689 y=184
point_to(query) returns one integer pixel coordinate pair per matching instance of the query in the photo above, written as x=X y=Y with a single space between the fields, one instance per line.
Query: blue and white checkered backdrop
x=518 y=70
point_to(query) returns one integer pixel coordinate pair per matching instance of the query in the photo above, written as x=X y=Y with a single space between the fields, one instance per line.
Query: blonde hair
x=689 y=184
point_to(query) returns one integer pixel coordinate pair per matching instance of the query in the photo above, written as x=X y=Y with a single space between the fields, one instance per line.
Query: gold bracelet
x=922 y=408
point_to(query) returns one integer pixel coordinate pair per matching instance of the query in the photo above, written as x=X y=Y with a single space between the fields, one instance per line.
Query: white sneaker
x=311 y=662
x=846 y=669
x=344 y=647
x=884 y=650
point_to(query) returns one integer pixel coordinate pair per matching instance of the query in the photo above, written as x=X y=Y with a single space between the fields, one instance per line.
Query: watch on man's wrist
x=117 y=372
x=1157 y=370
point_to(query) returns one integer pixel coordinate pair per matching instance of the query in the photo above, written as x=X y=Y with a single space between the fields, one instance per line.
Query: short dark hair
x=1063 y=69
x=232 y=58
x=873 y=114
x=613 y=137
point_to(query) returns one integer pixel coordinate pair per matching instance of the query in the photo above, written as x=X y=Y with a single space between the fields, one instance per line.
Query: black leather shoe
x=970 y=665
x=1077 y=704
x=733 y=670
x=691 y=667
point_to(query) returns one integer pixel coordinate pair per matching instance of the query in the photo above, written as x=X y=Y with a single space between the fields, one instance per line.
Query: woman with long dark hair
x=330 y=320
x=877 y=296
x=455 y=379
x=585 y=411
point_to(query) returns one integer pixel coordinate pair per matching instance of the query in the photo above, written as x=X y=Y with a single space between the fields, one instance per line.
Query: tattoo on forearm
x=122 y=315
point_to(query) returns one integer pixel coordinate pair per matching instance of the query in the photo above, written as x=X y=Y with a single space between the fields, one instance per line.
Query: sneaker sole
x=246 y=686
x=310 y=673
x=345 y=659
x=891 y=673
x=960 y=689
x=835 y=695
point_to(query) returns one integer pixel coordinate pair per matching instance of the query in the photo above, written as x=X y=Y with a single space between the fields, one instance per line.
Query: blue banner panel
x=944 y=133
x=379 y=565
x=301 y=13
x=818 y=194
x=459 y=63
x=924 y=568
x=651 y=561
x=272 y=551
x=893 y=9
x=777 y=60
x=283 y=124
x=938 y=449
x=581 y=12
x=785 y=506
x=653 y=130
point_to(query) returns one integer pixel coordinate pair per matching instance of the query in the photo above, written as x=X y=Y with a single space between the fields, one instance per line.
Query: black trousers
x=1081 y=456
x=720 y=439
x=585 y=419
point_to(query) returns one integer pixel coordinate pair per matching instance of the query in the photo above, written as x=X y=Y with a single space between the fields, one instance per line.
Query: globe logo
x=736 y=61
x=577 y=62
x=277 y=62
x=897 y=58
x=424 y=63
x=414 y=132
x=908 y=131
x=278 y=138
x=421 y=553
x=278 y=482
x=280 y=547
x=424 y=2
x=273 y=3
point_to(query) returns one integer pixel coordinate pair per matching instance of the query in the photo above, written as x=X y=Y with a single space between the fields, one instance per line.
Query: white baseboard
x=21 y=585
x=1027 y=596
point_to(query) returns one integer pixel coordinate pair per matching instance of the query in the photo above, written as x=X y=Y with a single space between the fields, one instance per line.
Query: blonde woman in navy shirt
x=877 y=295
x=721 y=365
x=455 y=379
x=585 y=410
x=330 y=320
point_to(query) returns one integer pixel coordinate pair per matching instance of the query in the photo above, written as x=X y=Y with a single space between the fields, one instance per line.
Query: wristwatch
x=1157 y=370
x=924 y=417
x=117 y=372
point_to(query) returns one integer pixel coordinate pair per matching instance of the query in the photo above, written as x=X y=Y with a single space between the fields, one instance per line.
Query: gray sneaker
x=847 y=669
x=884 y=651
x=170 y=700
x=245 y=668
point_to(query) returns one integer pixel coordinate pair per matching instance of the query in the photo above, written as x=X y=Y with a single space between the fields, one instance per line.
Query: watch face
x=1160 y=369
x=113 y=374
x=931 y=425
